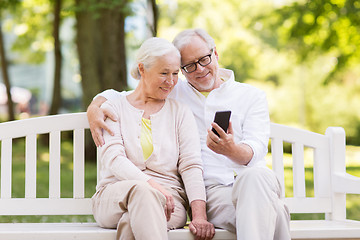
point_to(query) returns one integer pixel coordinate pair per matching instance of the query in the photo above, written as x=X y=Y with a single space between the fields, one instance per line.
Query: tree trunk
x=101 y=48
x=114 y=74
x=6 y=79
x=56 y=97
x=153 y=23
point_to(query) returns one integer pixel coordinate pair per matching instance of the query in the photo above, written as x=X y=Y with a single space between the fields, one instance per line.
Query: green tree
x=315 y=28
x=4 y=6
x=56 y=96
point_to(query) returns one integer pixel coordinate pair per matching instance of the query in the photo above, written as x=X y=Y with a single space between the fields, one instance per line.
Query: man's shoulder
x=179 y=89
x=233 y=84
x=247 y=87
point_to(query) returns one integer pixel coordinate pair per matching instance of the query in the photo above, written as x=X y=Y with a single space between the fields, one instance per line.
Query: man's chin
x=205 y=87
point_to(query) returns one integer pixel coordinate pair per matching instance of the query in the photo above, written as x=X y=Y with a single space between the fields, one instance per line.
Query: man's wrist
x=241 y=153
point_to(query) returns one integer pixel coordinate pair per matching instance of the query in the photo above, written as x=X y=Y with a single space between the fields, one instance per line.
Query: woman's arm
x=190 y=169
x=112 y=154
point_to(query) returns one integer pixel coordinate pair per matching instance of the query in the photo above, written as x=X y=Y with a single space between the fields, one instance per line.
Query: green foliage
x=312 y=28
x=6 y=5
x=32 y=25
x=95 y=6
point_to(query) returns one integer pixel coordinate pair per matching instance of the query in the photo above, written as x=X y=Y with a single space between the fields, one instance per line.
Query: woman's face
x=161 y=77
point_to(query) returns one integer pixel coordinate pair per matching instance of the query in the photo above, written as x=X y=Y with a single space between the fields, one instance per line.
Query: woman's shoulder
x=115 y=102
x=176 y=104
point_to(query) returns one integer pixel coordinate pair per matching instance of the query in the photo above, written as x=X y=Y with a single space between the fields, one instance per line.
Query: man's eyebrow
x=189 y=62
x=196 y=59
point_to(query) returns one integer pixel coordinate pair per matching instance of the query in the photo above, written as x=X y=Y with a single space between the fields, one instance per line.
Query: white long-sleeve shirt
x=249 y=117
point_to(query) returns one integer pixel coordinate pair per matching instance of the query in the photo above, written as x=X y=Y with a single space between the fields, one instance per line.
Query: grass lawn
x=18 y=179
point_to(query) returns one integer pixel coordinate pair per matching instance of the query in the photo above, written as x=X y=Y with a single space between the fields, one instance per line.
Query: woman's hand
x=170 y=205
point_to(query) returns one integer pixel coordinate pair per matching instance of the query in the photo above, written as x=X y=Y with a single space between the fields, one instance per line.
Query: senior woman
x=151 y=166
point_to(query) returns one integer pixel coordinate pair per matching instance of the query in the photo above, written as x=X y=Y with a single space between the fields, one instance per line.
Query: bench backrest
x=322 y=201
x=30 y=129
x=328 y=157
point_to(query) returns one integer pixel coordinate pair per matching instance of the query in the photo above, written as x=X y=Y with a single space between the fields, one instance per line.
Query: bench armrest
x=346 y=183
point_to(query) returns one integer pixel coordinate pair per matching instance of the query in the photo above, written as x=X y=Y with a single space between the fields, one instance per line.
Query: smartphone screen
x=222 y=119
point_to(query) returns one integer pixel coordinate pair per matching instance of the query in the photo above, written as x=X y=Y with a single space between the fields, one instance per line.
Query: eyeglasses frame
x=198 y=62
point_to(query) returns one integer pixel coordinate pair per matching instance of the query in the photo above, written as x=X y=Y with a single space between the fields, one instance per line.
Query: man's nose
x=199 y=67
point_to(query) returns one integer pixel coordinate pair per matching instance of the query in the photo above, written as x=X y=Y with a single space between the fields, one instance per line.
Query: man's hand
x=225 y=145
x=96 y=117
x=199 y=226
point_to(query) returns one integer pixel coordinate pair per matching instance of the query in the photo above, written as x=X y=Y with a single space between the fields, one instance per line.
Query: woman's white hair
x=149 y=52
x=184 y=38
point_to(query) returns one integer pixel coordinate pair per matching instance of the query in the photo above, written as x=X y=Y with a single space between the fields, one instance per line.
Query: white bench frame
x=331 y=183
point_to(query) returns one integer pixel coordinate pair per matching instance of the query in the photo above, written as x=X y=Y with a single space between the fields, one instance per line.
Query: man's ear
x=216 y=54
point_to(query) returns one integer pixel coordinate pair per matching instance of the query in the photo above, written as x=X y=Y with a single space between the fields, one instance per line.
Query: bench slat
x=54 y=164
x=311 y=229
x=30 y=166
x=298 y=170
x=41 y=125
x=79 y=162
x=277 y=152
x=6 y=168
x=321 y=169
x=292 y=135
x=308 y=205
x=45 y=206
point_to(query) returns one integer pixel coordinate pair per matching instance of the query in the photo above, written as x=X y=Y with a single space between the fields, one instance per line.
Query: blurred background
x=56 y=55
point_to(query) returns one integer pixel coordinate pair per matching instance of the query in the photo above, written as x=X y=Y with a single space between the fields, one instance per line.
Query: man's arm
x=96 y=117
x=199 y=226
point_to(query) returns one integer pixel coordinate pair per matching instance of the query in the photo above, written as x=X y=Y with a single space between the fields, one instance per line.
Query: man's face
x=204 y=78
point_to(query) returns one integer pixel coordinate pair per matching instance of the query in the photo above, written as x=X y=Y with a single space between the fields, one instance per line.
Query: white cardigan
x=175 y=161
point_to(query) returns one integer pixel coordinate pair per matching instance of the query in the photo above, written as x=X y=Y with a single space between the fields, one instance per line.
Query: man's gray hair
x=184 y=38
x=149 y=52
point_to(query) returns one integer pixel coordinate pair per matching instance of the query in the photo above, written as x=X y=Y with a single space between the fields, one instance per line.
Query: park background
x=56 y=55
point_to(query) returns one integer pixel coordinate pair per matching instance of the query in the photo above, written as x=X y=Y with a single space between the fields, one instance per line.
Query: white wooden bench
x=331 y=183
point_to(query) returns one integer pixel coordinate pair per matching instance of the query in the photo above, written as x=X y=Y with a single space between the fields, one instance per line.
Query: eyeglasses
x=204 y=61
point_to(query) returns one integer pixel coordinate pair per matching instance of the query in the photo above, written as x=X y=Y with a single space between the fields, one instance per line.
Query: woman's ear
x=141 y=68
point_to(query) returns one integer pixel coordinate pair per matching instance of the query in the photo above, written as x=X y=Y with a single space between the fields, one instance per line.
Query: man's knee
x=255 y=179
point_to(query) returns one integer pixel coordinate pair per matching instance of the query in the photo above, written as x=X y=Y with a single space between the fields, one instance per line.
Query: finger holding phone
x=220 y=139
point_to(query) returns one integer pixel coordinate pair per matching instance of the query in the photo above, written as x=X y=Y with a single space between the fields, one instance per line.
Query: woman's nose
x=170 y=80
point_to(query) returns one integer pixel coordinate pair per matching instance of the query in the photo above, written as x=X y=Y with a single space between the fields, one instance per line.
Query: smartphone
x=222 y=119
